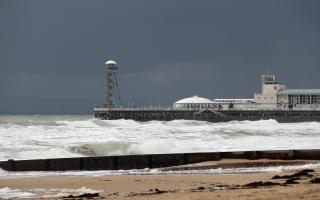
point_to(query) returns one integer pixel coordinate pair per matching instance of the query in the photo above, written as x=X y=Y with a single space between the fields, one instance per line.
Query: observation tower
x=113 y=94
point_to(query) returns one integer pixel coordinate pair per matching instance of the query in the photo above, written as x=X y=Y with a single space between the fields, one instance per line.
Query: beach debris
x=159 y=191
x=223 y=186
x=315 y=180
x=150 y=192
x=212 y=187
x=105 y=180
x=201 y=188
x=155 y=191
x=276 y=177
x=300 y=174
x=85 y=195
x=292 y=181
x=260 y=184
x=308 y=170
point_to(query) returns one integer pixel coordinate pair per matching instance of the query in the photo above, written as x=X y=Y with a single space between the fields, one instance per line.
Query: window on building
x=315 y=99
x=293 y=99
x=305 y=99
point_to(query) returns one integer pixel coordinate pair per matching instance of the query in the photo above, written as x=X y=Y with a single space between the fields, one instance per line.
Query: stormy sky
x=52 y=53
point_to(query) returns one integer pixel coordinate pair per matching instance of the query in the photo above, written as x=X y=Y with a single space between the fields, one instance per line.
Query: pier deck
x=167 y=114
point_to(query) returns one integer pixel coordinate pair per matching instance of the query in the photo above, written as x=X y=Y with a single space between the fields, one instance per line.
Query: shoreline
x=175 y=186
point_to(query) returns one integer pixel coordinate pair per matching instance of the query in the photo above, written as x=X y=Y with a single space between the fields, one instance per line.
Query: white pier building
x=273 y=96
x=194 y=102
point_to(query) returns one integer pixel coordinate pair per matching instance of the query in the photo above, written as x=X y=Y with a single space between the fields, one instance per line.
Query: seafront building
x=273 y=96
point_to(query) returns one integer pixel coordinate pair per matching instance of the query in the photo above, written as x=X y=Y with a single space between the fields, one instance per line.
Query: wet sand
x=210 y=186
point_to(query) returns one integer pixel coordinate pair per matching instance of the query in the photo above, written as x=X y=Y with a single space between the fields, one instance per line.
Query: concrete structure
x=127 y=162
x=299 y=99
x=167 y=114
x=275 y=96
x=268 y=99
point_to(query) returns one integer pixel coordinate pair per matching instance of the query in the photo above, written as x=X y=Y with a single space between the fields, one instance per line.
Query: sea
x=58 y=136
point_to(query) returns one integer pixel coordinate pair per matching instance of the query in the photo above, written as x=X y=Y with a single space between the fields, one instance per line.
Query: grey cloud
x=52 y=52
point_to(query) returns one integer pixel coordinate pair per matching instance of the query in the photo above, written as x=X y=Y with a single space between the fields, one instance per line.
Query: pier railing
x=163 y=108
x=144 y=109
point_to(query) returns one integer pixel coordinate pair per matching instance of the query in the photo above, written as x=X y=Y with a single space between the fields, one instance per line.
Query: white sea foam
x=45 y=136
x=28 y=137
x=8 y=193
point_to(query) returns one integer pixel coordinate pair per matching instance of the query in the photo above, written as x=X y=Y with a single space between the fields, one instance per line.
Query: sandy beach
x=291 y=184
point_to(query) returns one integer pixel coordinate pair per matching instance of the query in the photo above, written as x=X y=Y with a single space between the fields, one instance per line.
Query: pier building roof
x=194 y=99
x=299 y=92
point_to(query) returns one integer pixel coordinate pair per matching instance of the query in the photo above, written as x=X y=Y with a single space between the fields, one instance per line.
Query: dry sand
x=189 y=187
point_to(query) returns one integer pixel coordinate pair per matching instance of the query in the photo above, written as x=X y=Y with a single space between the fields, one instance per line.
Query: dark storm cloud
x=52 y=52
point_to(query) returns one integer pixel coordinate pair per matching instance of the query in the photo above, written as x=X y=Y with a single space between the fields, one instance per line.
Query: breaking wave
x=51 y=136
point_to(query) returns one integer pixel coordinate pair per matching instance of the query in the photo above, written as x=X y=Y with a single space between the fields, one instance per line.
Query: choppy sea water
x=54 y=136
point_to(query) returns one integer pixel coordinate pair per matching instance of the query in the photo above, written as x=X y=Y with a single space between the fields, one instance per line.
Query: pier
x=127 y=162
x=274 y=101
x=211 y=115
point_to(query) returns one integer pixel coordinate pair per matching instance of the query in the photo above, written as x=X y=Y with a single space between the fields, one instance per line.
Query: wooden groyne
x=206 y=115
x=127 y=162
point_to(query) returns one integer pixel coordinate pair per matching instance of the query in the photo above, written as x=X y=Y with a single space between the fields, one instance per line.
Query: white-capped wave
x=30 y=137
x=100 y=149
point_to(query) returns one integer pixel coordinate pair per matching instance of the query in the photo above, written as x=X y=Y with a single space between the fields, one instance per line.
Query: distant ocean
x=53 y=136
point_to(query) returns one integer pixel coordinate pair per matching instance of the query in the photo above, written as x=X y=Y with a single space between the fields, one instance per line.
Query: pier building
x=299 y=99
x=234 y=104
x=267 y=99
x=194 y=102
x=273 y=96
